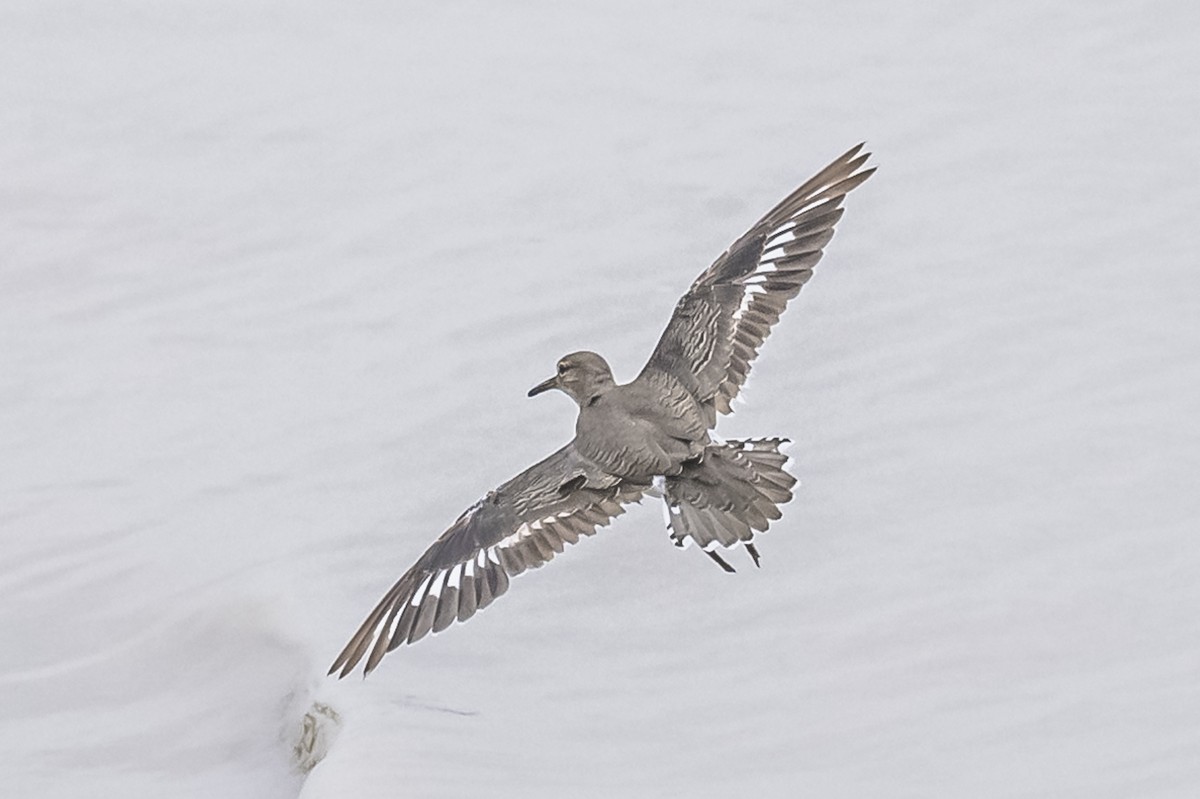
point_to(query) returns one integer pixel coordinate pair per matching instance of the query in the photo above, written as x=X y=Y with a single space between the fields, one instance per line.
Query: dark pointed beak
x=545 y=385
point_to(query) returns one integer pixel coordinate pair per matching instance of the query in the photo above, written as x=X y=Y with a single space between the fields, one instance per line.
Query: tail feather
x=733 y=491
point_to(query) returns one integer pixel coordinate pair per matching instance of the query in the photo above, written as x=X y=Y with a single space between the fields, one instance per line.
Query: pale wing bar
x=519 y=526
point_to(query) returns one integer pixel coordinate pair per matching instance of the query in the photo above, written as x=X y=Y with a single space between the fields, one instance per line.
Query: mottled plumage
x=649 y=435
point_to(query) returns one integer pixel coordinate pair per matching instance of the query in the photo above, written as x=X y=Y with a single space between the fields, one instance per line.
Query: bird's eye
x=562 y=367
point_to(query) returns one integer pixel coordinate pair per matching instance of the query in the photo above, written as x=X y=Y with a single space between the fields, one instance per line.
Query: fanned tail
x=731 y=493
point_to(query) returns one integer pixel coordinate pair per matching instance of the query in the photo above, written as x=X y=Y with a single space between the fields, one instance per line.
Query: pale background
x=274 y=278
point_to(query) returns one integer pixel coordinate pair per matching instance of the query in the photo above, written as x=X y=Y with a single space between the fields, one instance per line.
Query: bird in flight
x=648 y=436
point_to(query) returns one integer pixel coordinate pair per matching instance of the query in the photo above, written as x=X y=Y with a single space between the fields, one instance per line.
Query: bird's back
x=640 y=430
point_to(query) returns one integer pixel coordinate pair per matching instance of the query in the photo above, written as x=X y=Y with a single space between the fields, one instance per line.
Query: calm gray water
x=274 y=279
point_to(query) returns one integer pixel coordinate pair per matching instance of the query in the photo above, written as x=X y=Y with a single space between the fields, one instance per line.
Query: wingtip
x=853 y=152
x=343 y=666
x=857 y=155
x=344 y=663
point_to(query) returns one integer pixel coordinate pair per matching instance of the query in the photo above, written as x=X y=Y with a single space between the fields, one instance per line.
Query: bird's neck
x=595 y=394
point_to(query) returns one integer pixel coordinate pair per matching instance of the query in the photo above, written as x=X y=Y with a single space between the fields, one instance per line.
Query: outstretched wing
x=719 y=325
x=519 y=526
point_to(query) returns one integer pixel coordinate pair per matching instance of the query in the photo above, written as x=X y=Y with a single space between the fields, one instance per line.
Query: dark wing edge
x=521 y=525
x=718 y=327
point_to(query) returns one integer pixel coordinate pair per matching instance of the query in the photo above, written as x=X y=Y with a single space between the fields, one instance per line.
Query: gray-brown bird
x=651 y=435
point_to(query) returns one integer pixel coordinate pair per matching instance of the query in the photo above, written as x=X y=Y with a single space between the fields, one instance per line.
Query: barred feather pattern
x=733 y=492
x=721 y=323
x=520 y=526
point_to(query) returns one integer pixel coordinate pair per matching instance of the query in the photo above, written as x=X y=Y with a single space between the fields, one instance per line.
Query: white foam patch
x=319 y=729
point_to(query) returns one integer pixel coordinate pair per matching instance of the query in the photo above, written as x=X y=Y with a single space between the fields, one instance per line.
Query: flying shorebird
x=651 y=435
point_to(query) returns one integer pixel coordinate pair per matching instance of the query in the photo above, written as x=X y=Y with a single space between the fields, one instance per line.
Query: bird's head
x=581 y=375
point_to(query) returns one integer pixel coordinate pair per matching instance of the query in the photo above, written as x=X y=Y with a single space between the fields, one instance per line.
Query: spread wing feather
x=720 y=324
x=519 y=526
